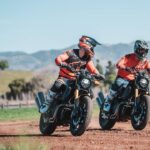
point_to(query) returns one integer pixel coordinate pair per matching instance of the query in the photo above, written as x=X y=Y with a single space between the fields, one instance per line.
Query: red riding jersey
x=131 y=60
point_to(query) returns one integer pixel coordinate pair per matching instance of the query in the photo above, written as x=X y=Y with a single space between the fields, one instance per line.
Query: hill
x=42 y=58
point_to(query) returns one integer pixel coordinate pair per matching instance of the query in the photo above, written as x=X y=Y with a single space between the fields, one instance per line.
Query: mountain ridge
x=24 y=61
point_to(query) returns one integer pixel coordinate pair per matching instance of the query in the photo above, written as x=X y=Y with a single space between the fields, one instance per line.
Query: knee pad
x=58 y=85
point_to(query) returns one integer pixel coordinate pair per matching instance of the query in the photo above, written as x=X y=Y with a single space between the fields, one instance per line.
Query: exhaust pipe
x=100 y=99
x=39 y=99
x=52 y=119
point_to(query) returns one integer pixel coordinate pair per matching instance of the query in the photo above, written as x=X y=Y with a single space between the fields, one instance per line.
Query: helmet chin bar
x=88 y=54
x=141 y=54
x=140 y=57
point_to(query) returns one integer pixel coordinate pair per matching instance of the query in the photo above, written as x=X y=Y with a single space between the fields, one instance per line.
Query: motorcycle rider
x=126 y=66
x=76 y=58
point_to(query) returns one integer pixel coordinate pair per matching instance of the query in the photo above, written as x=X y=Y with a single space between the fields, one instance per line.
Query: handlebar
x=136 y=71
x=70 y=68
x=83 y=71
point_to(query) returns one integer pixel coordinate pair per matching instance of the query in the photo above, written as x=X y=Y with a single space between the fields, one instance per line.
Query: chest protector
x=75 y=61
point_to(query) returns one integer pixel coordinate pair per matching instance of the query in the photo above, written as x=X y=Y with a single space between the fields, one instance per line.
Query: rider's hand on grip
x=100 y=77
x=130 y=69
x=64 y=65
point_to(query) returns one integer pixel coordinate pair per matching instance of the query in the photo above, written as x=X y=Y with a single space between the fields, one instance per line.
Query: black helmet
x=141 y=49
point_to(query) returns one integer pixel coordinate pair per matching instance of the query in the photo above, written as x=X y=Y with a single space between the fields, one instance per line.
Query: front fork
x=76 y=93
x=76 y=103
x=136 y=100
x=136 y=93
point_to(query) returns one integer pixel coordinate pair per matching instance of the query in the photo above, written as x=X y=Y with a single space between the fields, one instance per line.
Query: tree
x=37 y=84
x=110 y=73
x=16 y=88
x=98 y=66
x=20 y=89
x=3 y=64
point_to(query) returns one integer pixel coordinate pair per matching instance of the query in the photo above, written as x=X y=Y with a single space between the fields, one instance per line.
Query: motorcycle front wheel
x=46 y=127
x=81 y=116
x=139 y=119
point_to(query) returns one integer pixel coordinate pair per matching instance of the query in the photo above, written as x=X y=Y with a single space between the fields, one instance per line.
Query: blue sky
x=32 y=25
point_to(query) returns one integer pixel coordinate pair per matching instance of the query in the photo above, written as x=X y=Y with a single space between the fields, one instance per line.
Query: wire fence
x=17 y=104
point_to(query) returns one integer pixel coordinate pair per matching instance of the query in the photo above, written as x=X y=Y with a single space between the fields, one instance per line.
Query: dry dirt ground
x=121 y=137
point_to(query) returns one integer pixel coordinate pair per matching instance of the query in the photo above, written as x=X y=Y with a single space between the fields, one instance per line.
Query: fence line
x=10 y=104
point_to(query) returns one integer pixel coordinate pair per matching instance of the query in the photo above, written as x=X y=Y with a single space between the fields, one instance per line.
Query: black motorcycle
x=132 y=102
x=72 y=106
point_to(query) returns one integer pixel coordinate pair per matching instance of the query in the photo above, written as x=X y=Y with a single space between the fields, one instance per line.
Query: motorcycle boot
x=108 y=101
x=48 y=101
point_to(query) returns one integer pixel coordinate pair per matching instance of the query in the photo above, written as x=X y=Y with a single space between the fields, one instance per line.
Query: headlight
x=143 y=83
x=85 y=83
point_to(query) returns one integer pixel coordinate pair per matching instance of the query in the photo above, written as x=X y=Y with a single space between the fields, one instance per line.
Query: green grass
x=95 y=110
x=7 y=76
x=19 y=114
x=28 y=113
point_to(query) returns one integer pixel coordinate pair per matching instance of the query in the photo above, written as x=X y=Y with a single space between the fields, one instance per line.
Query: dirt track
x=121 y=137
